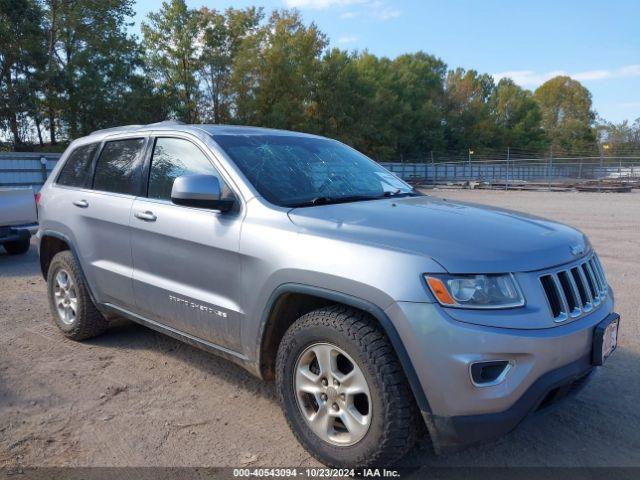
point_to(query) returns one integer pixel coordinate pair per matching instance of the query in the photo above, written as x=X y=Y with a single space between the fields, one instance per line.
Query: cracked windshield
x=293 y=171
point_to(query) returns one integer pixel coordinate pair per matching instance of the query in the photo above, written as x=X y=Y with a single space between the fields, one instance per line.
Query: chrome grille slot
x=567 y=290
x=590 y=282
x=596 y=275
x=575 y=290
x=553 y=295
x=579 y=282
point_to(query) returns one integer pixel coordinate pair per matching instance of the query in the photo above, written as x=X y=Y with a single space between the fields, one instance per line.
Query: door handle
x=81 y=203
x=146 y=216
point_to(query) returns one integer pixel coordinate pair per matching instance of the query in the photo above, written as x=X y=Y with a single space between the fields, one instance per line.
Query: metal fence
x=26 y=169
x=521 y=172
x=22 y=169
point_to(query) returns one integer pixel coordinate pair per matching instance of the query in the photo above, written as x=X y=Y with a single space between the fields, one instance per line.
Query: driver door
x=185 y=259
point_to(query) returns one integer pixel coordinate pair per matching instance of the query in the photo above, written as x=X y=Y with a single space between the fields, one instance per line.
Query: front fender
x=353 y=301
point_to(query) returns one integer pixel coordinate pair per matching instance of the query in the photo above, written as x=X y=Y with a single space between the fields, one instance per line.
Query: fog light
x=487 y=374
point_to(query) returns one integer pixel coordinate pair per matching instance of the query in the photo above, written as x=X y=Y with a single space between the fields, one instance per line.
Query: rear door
x=101 y=219
x=186 y=261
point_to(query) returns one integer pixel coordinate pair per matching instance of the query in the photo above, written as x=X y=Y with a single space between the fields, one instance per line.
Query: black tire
x=88 y=322
x=394 y=424
x=18 y=247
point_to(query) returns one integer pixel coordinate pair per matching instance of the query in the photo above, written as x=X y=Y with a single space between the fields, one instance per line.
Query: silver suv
x=300 y=259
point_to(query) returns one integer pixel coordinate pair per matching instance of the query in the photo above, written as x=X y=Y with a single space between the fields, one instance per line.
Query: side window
x=119 y=168
x=77 y=169
x=174 y=157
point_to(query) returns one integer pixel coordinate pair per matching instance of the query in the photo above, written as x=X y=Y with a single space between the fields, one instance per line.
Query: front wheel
x=343 y=391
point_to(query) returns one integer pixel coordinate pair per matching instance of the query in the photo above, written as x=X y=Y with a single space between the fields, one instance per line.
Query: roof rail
x=165 y=122
x=133 y=127
x=116 y=129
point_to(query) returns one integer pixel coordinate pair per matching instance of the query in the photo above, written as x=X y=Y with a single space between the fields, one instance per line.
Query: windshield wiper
x=400 y=193
x=328 y=200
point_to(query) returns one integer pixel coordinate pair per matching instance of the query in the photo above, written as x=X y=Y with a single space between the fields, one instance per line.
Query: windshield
x=296 y=171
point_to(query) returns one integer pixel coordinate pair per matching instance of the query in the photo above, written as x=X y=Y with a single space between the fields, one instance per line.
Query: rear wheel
x=73 y=311
x=343 y=391
x=17 y=247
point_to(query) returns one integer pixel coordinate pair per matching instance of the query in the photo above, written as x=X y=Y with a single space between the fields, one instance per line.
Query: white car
x=18 y=219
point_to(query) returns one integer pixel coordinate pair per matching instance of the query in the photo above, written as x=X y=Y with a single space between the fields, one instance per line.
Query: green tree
x=21 y=58
x=91 y=62
x=402 y=119
x=517 y=117
x=171 y=41
x=71 y=66
x=276 y=72
x=52 y=76
x=417 y=81
x=340 y=98
x=620 y=138
x=378 y=107
x=567 y=117
x=222 y=36
x=468 y=122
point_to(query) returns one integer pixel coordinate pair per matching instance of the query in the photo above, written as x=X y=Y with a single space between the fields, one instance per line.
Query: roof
x=211 y=129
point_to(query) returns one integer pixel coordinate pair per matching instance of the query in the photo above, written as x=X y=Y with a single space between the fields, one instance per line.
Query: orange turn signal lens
x=440 y=291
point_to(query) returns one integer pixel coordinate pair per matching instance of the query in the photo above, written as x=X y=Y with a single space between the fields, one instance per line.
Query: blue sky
x=596 y=42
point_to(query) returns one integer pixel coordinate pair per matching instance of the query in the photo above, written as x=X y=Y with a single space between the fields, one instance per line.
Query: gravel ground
x=137 y=398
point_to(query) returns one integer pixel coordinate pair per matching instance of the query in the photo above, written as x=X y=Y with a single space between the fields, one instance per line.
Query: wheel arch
x=273 y=327
x=51 y=243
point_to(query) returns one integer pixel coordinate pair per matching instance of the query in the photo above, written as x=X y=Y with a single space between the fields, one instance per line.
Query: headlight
x=476 y=291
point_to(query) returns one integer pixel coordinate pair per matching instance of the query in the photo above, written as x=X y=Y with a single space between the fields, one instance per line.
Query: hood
x=462 y=237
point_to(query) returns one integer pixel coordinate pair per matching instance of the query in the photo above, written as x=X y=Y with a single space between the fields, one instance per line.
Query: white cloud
x=348 y=39
x=382 y=11
x=348 y=15
x=629 y=104
x=592 y=75
x=530 y=78
x=378 y=9
x=320 y=4
x=630 y=71
x=527 y=78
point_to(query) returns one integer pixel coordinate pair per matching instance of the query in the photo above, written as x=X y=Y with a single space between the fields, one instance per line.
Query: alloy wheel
x=332 y=394
x=65 y=297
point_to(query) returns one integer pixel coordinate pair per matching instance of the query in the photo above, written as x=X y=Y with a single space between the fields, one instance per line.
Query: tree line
x=69 y=67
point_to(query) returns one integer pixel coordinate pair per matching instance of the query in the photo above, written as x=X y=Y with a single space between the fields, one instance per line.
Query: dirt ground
x=134 y=397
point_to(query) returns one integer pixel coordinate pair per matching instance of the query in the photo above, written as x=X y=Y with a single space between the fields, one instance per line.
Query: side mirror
x=200 y=191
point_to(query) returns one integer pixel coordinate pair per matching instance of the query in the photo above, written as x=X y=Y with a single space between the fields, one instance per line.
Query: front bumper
x=545 y=362
x=452 y=433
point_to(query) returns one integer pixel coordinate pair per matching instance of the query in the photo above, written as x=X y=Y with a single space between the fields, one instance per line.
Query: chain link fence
x=507 y=171
x=495 y=170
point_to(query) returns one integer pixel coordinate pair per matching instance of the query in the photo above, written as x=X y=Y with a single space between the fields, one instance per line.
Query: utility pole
x=506 y=184
x=550 y=167
x=433 y=167
x=603 y=147
x=620 y=169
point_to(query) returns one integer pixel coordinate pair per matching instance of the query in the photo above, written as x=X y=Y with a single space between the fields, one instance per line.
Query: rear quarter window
x=76 y=171
x=119 y=168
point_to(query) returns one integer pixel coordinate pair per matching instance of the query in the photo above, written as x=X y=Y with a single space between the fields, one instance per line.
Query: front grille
x=576 y=290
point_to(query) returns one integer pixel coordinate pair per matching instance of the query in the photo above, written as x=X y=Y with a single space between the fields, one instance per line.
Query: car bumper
x=17 y=232
x=546 y=365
